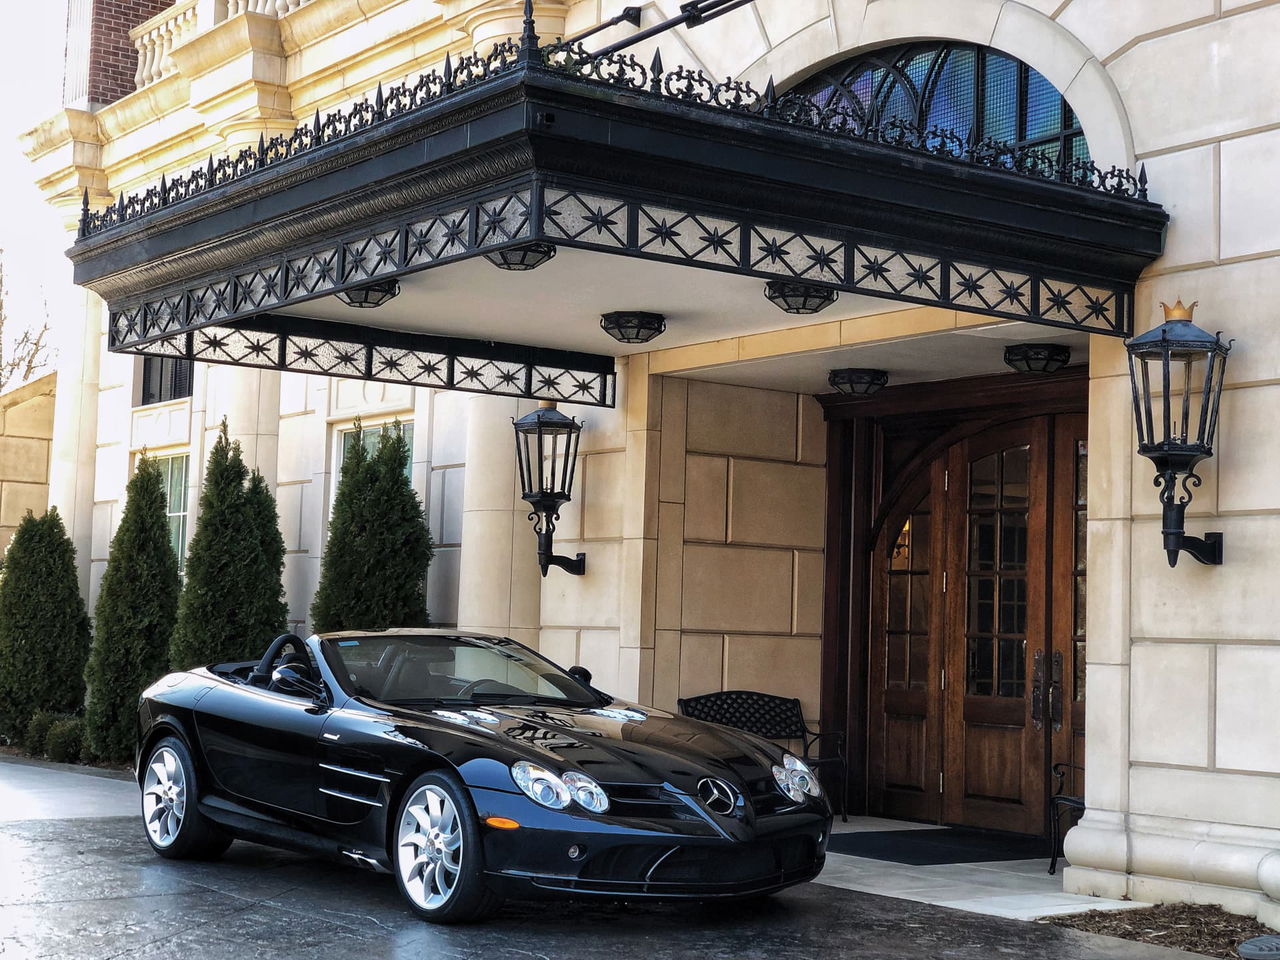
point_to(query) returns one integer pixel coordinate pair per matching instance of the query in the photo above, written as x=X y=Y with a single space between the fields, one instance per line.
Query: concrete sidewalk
x=35 y=790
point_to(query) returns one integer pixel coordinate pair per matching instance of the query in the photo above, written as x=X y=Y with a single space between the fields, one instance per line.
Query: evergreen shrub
x=65 y=739
x=232 y=602
x=38 y=731
x=44 y=630
x=373 y=575
x=133 y=620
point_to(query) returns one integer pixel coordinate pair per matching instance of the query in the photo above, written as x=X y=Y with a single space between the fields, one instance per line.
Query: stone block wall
x=741 y=508
x=26 y=432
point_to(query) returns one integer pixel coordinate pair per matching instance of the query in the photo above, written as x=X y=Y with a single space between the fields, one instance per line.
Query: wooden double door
x=976 y=673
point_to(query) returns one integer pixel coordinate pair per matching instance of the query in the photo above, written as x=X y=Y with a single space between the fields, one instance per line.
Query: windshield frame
x=338 y=667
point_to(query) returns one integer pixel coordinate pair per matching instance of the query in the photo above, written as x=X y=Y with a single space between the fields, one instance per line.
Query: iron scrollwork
x=616 y=69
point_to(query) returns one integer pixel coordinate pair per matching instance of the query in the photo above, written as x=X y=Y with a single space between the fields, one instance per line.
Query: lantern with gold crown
x=1176 y=371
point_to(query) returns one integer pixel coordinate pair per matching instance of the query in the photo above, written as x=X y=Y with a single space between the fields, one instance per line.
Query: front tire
x=437 y=855
x=170 y=812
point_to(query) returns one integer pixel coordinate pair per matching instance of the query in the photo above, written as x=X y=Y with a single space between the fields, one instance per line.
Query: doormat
x=921 y=848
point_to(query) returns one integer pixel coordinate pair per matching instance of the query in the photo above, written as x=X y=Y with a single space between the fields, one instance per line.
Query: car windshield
x=412 y=668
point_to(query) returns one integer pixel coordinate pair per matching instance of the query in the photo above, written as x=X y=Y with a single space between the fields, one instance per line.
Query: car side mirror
x=581 y=674
x=288 y=679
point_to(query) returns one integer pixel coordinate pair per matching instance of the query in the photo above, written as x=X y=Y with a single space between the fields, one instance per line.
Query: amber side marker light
x=502 y=823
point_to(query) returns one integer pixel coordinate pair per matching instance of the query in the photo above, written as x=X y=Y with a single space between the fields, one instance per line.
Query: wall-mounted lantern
x=1176 y=371
x=546 y=459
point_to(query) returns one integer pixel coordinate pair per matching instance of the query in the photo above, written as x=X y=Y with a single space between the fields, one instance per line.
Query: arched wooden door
x=977 y=630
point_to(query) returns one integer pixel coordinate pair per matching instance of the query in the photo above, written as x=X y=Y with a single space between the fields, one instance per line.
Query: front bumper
x=662 y=859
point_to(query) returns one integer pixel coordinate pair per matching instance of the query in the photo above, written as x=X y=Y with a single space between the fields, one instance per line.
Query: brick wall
x=112 y=57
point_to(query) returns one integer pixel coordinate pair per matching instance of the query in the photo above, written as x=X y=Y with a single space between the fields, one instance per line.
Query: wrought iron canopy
x=548 y=145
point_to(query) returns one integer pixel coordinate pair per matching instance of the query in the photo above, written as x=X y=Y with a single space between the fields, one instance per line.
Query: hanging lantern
x=633 y=326
x=527 y=256
x=1037 y=357
x=1176 y=371
x=546 y=459
x=793 y=297
x=857 y=381
x=370 y=295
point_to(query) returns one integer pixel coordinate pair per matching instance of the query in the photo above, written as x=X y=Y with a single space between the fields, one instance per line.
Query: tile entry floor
x=1015 y=889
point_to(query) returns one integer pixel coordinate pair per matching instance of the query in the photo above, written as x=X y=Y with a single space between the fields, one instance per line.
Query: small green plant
x=38 y=731
x=133 y=620
x=65 y=739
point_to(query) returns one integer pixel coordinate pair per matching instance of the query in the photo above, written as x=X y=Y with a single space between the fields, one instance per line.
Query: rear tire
x=436 y=852
x=174 y=825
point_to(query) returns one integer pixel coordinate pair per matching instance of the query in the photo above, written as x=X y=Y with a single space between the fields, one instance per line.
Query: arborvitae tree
x=232 y=602
x=133 y=621
x=375 y=563
x=44 y=630
x=264 y=518
x=399 y=536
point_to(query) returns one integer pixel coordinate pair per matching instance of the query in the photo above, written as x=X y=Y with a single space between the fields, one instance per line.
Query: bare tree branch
x=30 y=353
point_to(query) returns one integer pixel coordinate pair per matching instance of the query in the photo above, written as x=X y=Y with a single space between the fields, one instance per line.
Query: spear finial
x=529 y=36
x=655 y=72
x=84 y=213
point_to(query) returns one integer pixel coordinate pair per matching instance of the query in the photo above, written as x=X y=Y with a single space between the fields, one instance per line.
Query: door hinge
x=940 y=781
x=944 y=678
x=946 y=479
x=944 y=581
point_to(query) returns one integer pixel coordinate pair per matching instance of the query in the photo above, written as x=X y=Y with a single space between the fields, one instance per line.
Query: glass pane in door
x=907 y=607
x=996 y=627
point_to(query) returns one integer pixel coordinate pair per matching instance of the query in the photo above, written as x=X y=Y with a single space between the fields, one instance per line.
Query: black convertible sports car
x=472 y=769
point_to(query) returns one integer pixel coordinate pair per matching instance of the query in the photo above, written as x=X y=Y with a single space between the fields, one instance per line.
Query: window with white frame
x=173 y=471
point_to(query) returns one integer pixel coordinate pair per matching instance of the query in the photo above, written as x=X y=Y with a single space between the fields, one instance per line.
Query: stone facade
x=700 y=505
x=26 y=431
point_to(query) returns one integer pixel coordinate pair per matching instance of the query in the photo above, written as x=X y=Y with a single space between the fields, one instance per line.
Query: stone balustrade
x=271 y=8
x=156 y=38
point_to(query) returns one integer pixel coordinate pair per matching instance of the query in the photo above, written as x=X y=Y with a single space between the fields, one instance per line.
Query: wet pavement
x=90 y=889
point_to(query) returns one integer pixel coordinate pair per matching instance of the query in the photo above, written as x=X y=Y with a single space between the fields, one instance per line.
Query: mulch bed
x=1210 y=931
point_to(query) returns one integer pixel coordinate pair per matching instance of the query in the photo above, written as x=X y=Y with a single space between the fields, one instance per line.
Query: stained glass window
x=958 y=87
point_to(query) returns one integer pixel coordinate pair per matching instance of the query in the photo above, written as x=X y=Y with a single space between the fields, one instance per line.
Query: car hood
x=618 y=743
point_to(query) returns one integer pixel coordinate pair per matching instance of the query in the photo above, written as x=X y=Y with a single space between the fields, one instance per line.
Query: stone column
x=250 y=400
x=499 y=585
x=73 y=457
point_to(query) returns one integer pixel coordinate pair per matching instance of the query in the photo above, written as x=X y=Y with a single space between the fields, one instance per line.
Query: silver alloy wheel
x=429 y=848
x=164 y=797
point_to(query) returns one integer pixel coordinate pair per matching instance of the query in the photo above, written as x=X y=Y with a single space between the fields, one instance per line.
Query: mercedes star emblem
x=717 y=796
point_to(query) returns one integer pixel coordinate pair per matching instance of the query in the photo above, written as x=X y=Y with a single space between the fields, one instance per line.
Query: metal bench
x=774 y=718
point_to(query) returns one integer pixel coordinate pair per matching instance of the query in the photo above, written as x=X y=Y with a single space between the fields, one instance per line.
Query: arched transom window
x=953 y=86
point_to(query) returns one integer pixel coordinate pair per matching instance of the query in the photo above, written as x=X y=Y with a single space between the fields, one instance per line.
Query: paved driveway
x=90 y=887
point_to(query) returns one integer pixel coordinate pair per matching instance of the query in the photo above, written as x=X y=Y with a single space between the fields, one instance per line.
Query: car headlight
x=541 y=785
x=796 y=779
x=586 y=791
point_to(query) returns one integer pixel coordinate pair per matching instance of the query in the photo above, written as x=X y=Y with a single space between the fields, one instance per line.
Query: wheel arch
x=166 y=725
x=424 y=762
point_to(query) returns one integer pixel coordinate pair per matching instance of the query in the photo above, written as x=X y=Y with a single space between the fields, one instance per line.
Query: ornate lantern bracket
x=546 y=461
x=1176 y=372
